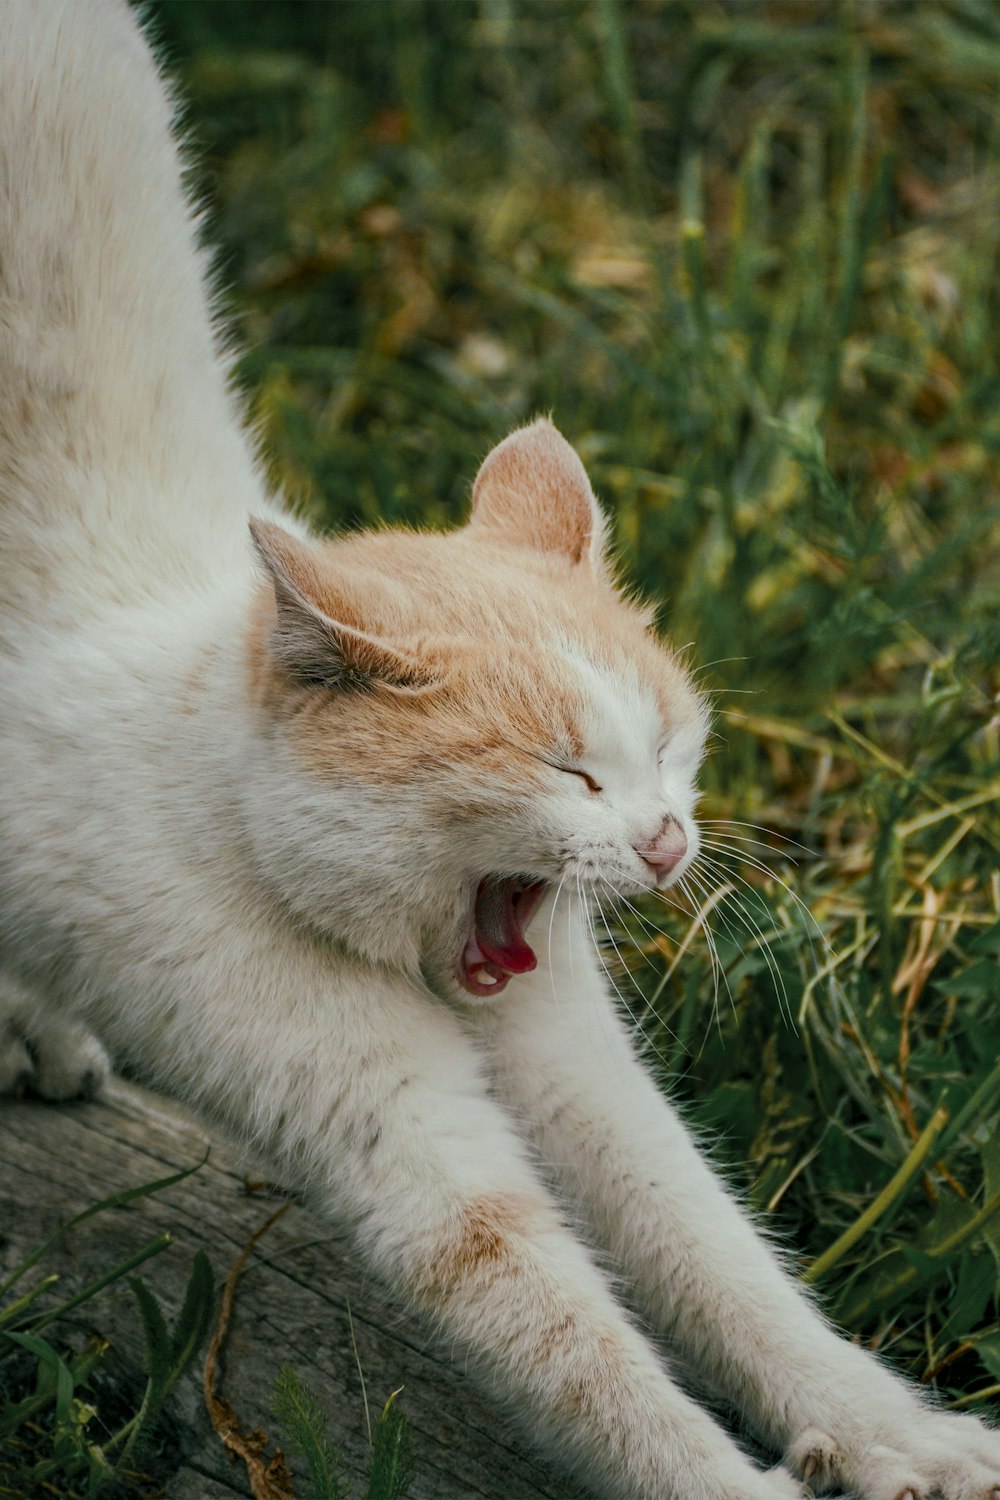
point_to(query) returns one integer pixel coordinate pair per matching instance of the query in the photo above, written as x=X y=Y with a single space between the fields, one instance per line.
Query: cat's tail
x=122 y=461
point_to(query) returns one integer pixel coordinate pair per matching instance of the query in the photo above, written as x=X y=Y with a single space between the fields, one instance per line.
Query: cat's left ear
x=533 y=490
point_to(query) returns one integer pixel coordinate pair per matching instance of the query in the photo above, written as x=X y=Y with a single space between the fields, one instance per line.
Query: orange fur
x=484 y=1242
x=475 y=615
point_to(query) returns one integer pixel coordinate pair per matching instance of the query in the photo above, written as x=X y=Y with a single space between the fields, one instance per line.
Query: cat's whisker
x=548 y=938
x=719 y=846
x=772 y=833
x=616 y=897
x=724 y=895
x=621 y=997
x=720 y=661
x=718 y=970
x=649 y=1002
x=696 y=912
x=741 y=838
x=607 y=972
x=710 y=900
x=699 y=920
x=739 y=903
x=763 y=939
x=647 y=926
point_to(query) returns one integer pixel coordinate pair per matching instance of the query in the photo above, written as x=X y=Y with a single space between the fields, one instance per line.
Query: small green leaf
x=392 y=1469
x=980 y=980
x=156 y=1353
x=195 y=1316
x=988 y=941
x=305 y=1423
x=988 y=1349
x=59 y=1377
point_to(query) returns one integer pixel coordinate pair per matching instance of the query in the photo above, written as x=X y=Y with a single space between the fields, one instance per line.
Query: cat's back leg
x=44 y=1052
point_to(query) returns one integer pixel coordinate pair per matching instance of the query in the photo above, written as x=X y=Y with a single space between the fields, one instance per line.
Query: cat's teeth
x=485 y=978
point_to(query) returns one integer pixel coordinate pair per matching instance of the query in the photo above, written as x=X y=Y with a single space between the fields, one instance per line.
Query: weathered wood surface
x=292 y=1300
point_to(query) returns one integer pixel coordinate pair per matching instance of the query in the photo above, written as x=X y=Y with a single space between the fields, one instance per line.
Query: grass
x=70 y=1424
x=73 y=1427
x=747 y=257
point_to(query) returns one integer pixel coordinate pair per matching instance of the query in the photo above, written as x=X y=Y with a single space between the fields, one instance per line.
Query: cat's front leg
x=381 y=1109
x=698 y=1267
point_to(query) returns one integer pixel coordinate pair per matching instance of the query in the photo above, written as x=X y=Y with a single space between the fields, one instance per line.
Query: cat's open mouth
x=497 y=949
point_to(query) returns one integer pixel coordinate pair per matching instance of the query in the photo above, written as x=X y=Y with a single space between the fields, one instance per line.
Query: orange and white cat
x=305 y=830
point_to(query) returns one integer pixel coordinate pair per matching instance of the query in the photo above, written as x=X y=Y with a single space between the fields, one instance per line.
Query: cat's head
x=455 y=725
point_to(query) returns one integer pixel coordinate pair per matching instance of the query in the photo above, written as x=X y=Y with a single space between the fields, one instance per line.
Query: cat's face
x=469 y=722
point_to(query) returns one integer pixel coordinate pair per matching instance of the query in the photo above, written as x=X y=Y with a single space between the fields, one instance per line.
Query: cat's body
x=275 y=826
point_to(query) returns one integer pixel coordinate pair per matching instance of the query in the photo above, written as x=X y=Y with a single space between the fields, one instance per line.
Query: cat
x=304 y=830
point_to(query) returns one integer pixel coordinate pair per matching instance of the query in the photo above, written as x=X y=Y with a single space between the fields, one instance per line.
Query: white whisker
x=611 y=980
x=812 y=926
x=772 y=833
x=647 y=926
x=710 y=900
x=764 y=939
x=548 y=940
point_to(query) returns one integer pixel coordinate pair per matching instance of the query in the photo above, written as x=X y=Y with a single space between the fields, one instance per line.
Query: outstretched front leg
x=566 y=1065
x=374 y=1098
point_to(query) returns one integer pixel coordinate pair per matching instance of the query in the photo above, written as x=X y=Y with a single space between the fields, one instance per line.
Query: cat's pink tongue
x=497 y=948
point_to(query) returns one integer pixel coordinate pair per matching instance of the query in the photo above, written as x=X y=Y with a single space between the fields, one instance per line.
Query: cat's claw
x=949 y=1458
x=814 y=1456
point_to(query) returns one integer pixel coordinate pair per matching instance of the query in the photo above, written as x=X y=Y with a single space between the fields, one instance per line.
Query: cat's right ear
x=532 y=490
x=318 y=636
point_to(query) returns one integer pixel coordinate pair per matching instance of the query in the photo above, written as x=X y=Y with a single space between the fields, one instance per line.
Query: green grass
x=747 y=257
x=70 y=1424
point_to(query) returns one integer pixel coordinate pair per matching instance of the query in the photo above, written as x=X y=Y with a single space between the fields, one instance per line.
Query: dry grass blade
x=269 y=1477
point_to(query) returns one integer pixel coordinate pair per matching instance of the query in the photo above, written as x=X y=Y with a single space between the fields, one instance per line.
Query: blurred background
x=746 y=256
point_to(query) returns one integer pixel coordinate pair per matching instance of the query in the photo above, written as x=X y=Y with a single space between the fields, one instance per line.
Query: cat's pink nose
x=667 y=849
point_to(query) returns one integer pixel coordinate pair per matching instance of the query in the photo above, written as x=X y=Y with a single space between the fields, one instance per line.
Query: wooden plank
x=296 y=1301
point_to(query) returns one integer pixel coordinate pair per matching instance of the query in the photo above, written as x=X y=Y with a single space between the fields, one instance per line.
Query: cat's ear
x=533 y=490
x=311 y=639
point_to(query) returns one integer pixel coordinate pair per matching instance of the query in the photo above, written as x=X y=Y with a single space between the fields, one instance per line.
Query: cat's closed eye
x=584 y=776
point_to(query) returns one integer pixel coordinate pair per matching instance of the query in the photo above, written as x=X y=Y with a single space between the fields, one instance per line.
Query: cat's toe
x=888 y=1474
x=71 y=1064
x=964 y=1457
x=816 y=1458
x=930 y=1456
x=966 y=1481
x=17 y=1066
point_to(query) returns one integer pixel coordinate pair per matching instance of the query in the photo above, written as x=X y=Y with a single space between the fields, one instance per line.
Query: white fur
x=278 y=952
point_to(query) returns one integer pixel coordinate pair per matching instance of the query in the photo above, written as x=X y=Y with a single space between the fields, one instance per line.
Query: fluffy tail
x=122 y=461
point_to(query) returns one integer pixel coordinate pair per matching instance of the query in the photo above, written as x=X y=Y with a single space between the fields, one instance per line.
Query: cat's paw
x=70 y=1063
x=56 y=1060
x=933 y=1456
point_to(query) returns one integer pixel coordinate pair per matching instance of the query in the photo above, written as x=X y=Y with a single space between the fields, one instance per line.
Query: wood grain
x=292 y=1301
